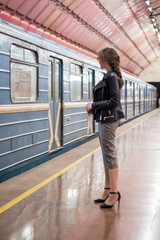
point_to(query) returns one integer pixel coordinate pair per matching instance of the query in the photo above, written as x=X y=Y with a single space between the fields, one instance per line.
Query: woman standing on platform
x=107 y=111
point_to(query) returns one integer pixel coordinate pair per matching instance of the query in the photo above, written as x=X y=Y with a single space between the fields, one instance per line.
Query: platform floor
x=54 y=201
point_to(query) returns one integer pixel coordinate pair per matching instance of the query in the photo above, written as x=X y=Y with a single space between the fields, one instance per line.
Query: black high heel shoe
x=99 y=200
x=110 y=206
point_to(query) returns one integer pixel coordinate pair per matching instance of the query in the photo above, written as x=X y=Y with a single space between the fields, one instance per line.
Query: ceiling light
x=152 y=18
x=150 y=9
x=148 y=3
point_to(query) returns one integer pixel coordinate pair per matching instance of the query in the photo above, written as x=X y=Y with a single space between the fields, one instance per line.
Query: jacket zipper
x=102 y=100
x=109 y=117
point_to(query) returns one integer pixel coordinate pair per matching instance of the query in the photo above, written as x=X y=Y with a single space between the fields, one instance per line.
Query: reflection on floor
x=64 y=209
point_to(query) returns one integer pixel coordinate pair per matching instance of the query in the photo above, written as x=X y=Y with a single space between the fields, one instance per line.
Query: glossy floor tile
x=64 y=208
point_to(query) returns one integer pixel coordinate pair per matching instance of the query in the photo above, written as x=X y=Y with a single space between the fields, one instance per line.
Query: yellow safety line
x=42 y=184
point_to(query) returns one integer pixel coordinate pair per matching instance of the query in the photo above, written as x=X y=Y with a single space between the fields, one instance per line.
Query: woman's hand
x=89 y=107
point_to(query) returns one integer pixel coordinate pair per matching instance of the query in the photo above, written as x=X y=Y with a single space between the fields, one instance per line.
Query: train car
x=44 y=88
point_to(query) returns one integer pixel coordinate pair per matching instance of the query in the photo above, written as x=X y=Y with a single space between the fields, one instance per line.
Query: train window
x=131 y=90
x=136 y=91
x=30 y=56
x=57 y=79
x=76 y=82
x=16 y=52
x=50 y=94
x=90 y=84
x=123 y=92
x=142 y=91
x=100 y=76
x=23 y=54
x=24 y=70
x=54 y=79
x=78 y=69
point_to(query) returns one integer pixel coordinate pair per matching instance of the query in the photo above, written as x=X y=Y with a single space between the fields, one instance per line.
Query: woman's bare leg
x=113 y=178
x=107 y=184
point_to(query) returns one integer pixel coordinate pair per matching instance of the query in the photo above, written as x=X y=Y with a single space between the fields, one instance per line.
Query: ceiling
x=90 y=25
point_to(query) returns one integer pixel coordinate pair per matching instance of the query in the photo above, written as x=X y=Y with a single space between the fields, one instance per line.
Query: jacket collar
x=102 y=82
x=108 y=73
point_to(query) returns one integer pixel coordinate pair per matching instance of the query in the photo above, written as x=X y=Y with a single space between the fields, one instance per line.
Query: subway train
x=44 y=89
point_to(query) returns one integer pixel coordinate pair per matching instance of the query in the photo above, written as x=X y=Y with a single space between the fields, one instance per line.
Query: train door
x=147 y=98
x=123 y=102
x=90 y=83
x=141 y=97
x=126 y=115
x=137 y=100
x=55 y=102
x=154 y=100
x=144 y=97
x=134 y=99
x=129 y=100
x=150 y=99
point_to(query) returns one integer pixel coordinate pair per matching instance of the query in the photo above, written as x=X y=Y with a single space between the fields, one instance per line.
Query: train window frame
x=33 y=68
x=75 y=73
x=122 y=91
x=58 y=94
x=50 y=82
x=130 y=90
x=137 y=91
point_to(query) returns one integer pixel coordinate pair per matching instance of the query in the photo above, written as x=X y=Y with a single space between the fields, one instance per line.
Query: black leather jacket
x=106 y=99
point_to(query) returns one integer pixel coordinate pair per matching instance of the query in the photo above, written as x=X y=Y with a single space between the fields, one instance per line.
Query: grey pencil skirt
x=107 y=142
